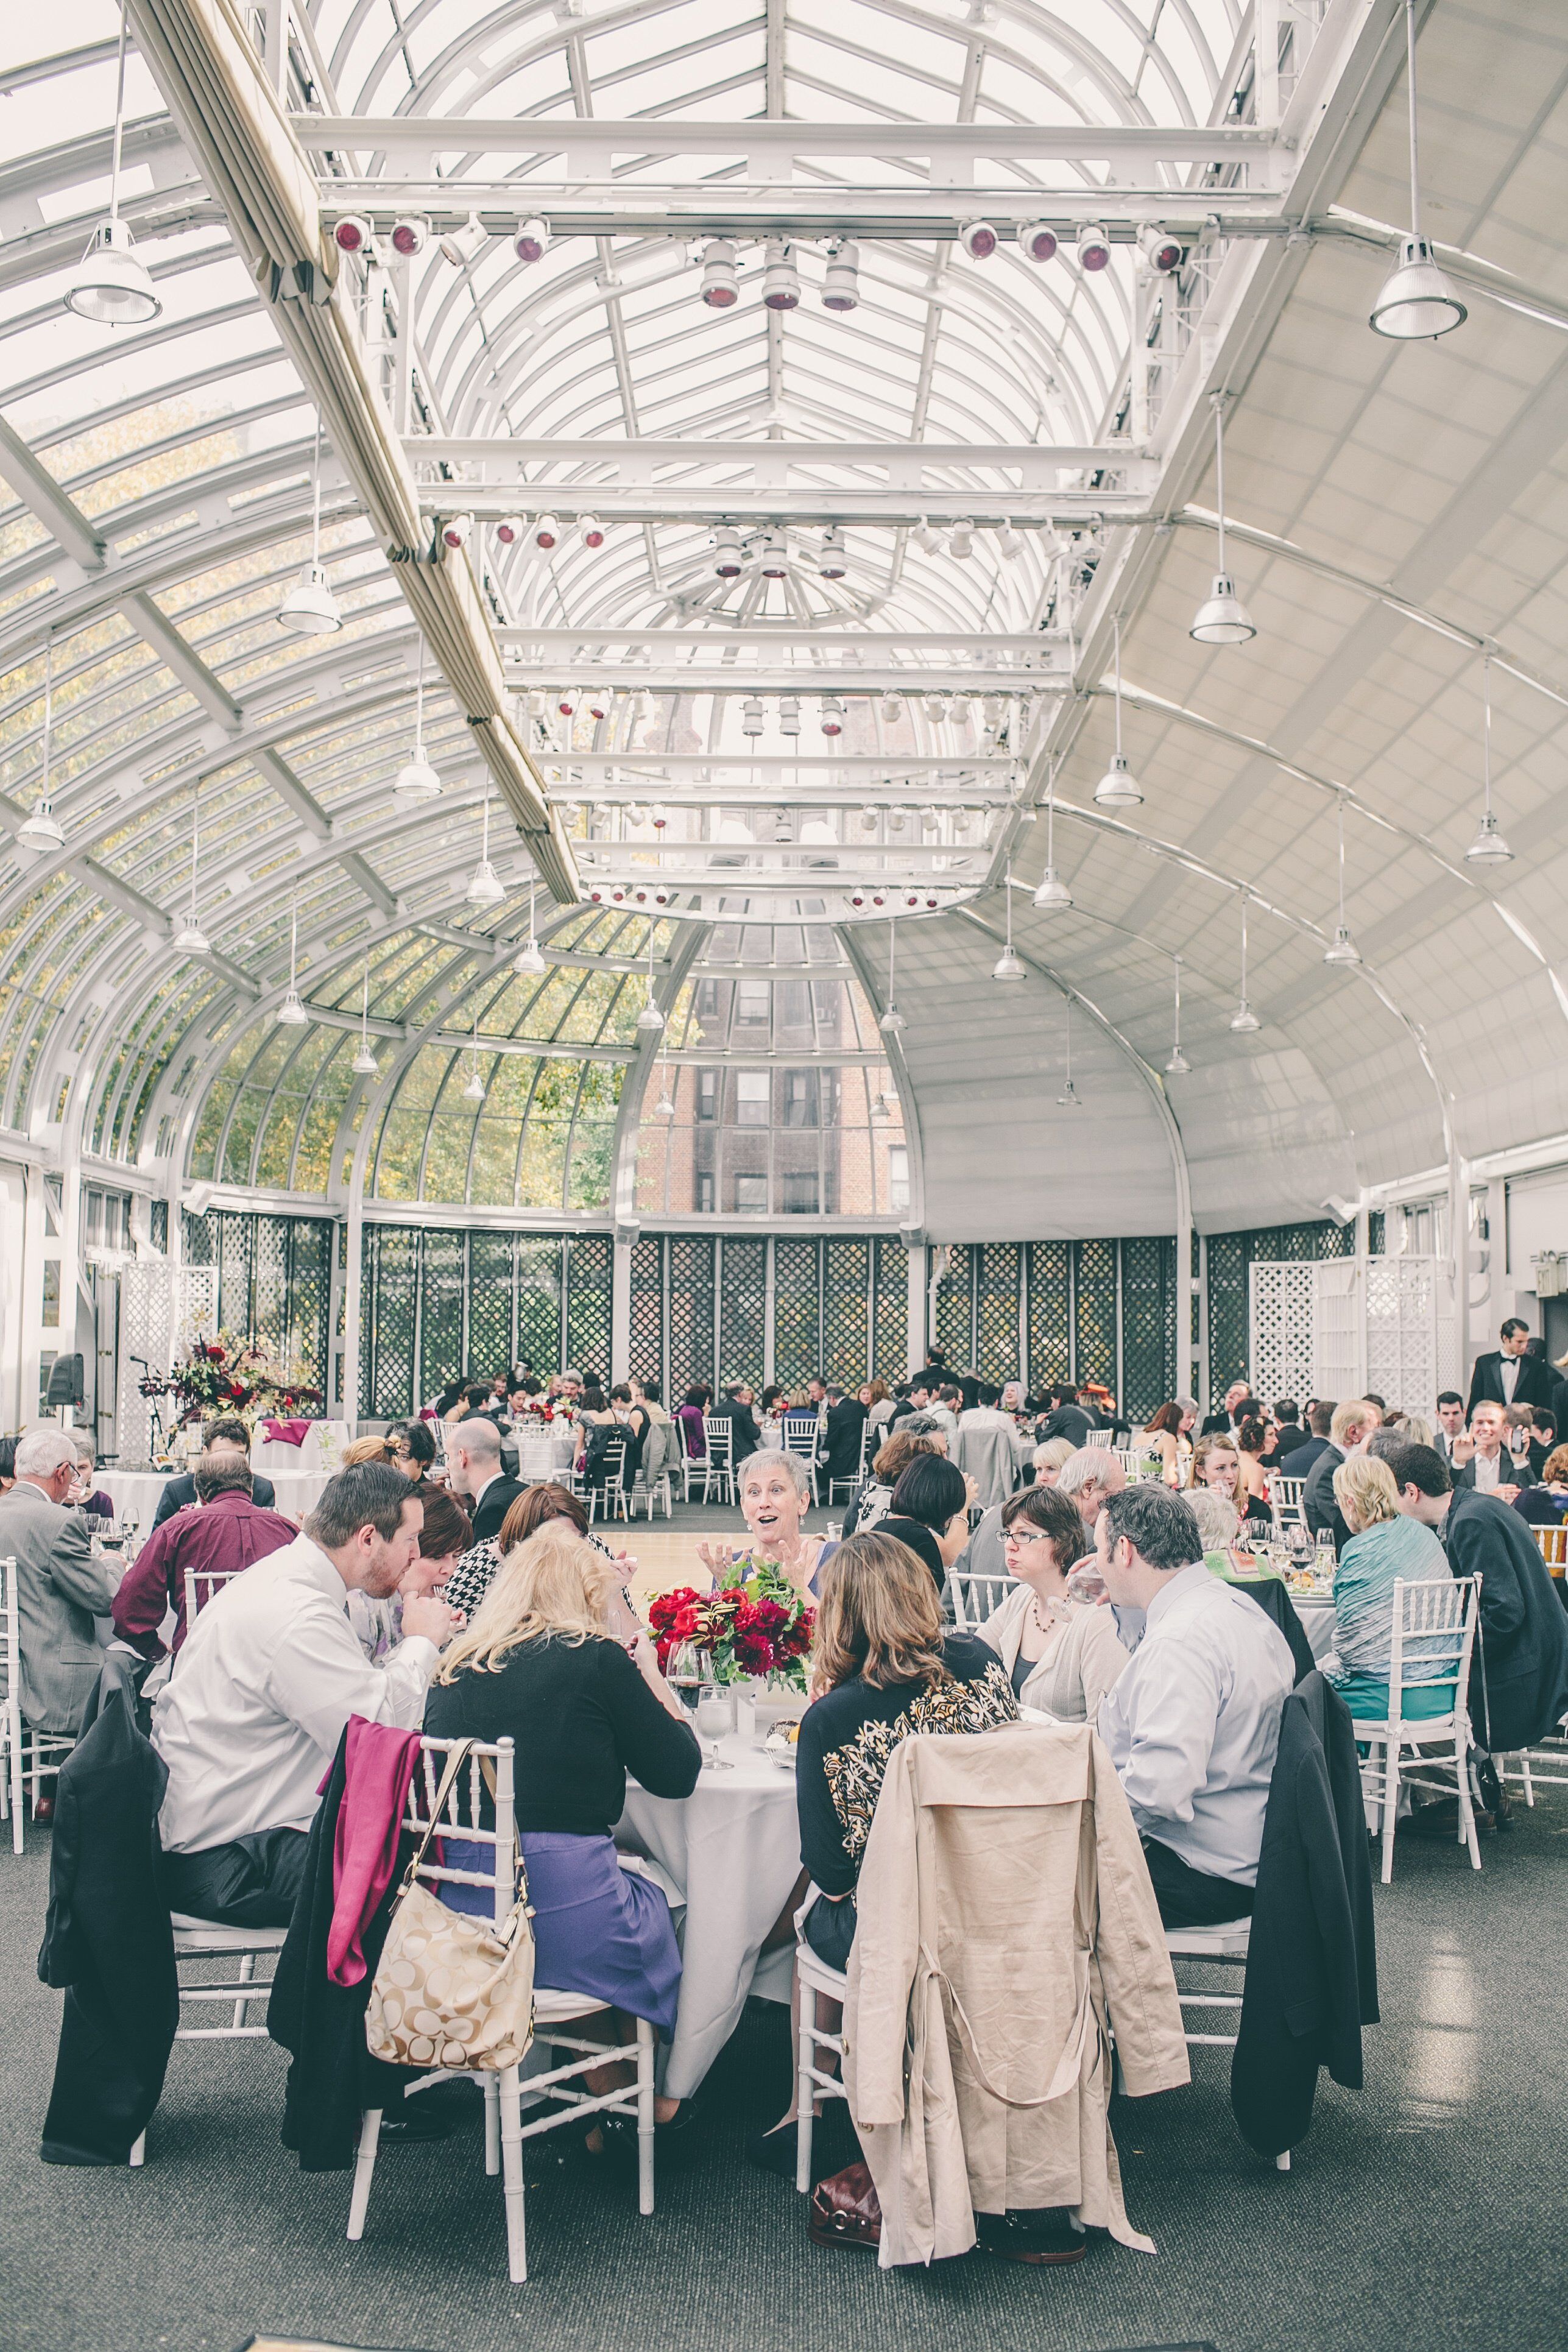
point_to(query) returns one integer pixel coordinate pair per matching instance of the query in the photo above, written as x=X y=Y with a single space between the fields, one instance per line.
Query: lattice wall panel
x=690 y=1312
x=1094 y=1312
x=743 y=1311
x=998 y=1307
x=442 y=1356
x=539 y=1302
x=390 y=1291
x=1402 y=1331
x=588 y=1280
x=955 y=1316
x=492 y=1279
x=797 y=1312
x=846 y=1311
x=1048 y=1308
x=1282 y=1318
x=1148 y=1325
x=890 y=1309
x=647 y=1359
x=1227 y=1258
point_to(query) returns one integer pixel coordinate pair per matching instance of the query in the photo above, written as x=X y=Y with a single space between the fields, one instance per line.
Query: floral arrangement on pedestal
x=228 y=1375
x=546 y=1409
x=757 y=1628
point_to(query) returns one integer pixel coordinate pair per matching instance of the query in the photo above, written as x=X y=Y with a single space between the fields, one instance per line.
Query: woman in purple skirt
x=538 y=1664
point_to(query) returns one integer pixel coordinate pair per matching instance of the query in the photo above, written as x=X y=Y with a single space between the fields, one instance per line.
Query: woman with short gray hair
x=775 y=1493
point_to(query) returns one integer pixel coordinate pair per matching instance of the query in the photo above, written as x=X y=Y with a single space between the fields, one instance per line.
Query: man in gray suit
x=60 y=1587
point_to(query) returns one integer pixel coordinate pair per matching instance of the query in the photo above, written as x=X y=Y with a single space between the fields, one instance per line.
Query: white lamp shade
x=1222 y=619
x=41 y=828
x=664 y=1108
x=487 y=888
x=892 y=1022
x=416 y=782
x=364 y=1064
x=1342 y=948
x=1416 y=303
x=1118 y=787
x=291 y=1014
x=310 y=609
x=1052 y=897
x=1489 y=847
x=110 y=284
x=1009 y=966
x=1244 y=1021
x=190 y=940
x=474 y=1091
x=1070 y=1099
x=650 y=1018
x=1178 y=1067
x=530 y=960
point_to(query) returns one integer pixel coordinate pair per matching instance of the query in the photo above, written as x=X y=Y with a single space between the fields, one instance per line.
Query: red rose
x=687 y=1625
x=753 y=1653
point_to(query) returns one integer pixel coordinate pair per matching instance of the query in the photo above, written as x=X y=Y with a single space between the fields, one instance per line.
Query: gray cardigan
x=60 y=1588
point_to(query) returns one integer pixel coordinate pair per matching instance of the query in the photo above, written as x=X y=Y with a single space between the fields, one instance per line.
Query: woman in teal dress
x=1384 y=1545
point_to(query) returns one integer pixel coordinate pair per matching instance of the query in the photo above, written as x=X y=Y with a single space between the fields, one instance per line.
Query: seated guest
x=775 y=1493
x=224 y=1435
x=1091 y=1474
x=1168 y=1433
x=988 y=1447
x=983 y=1554
x=1219 y=1525
x=1067 y=1417
x=1216 y=1462
x=378 y=1448
x=892 y=1458
x=1485 y=1463
x=7 y=1464
x=539 y=1664
x=60 y=1587
x=1545 y=1505
x=268 y=1677
x=930 y=1513
x=223 y=1531
x=878 y=1399
x=1252 y=1484
x=474 y=1474
x=884 y=1666
x=82 y=1496
x=1530 y=1435
x=690 y=1426
x=1061 y=1655
x=476 y=1566
x=1289 y=1433
x=846 y=1421
x=745 y=1437
x=1351 y=1428
x=415 y=1453
x=1193 y=1722
x=446 y=1536
x=1384 y=1544
x=944 y=1406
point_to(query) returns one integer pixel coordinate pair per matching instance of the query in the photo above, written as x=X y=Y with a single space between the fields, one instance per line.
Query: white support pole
x=918 y=1333
x=348 y=1397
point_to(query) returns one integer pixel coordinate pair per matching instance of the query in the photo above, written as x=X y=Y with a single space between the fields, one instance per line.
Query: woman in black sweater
x=537 y=1664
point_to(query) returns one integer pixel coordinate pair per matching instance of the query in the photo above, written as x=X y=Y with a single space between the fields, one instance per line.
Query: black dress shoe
x=408 y=2124
x=1046 y=2237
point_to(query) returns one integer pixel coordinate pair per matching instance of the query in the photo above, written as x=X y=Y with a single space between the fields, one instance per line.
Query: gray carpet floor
x=1424 y=2211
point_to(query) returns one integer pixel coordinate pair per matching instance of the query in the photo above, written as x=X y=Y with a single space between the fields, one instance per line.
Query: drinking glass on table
x=683 y=1673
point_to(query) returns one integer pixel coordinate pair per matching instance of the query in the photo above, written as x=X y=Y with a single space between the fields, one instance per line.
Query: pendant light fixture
x=291 y=1014
x=1118 y=787
x=1244 y=1021
x=1009 y=966
x=1052 y=895
x=474 y=1091
x=1416 y=300
x=364 y=1064
x=416 y=779
x=1221 y=618
x=1342 y=948
x=1070 y=1099
x=111 y=285
x=650 y=1020
x=1489 y=847
x=486 y=888
x=1178 y=1067
x=310 y=609
x=41 y=828
x=530 y=958
x=664 y=1108
x=892 y=1020
x=190 y=939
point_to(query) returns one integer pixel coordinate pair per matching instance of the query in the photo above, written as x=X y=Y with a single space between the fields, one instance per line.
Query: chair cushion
x=193 y=1935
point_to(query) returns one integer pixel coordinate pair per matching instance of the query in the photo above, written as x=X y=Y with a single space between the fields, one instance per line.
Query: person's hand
x=425 y=1618
x=718 y=1559
x=1464 y=1449
x=971 y=1488
x=626 y=1560
x=645 y=1657
x=1506 y=1494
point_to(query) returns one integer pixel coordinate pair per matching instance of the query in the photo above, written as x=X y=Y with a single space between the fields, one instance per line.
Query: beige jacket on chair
x=1005 y=1919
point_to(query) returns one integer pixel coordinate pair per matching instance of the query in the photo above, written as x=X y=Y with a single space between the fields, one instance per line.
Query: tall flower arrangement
x=757 y=1628
x=228 y=1375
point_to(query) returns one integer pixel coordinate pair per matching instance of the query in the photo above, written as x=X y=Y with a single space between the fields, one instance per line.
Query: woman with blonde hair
x=1384 y=1545
x=368 y=1449
x=884 y=1666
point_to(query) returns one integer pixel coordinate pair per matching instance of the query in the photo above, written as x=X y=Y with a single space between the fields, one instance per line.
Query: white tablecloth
x=1317 y=1623
x=734 y=1849
x=140 y=1491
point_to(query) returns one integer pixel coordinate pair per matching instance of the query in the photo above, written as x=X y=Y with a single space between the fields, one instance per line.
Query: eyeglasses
x=1021 y=1535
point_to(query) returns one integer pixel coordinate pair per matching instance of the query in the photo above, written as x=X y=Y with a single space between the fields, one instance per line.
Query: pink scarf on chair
x=379 y=1764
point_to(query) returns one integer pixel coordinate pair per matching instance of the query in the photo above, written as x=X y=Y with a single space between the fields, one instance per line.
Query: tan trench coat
x=1004 y=1918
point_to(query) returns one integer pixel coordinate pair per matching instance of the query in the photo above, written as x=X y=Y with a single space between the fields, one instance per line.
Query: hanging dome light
x=474 y=1091
x=752 y=715
x=291 y=1012
x=1009 y=966
x=310 y=609
x=1118 y=787
x=416 y=781
x=1342 y=948
x=530 y=958
x=1052 y=895
x=1069 y=1097
x=1222 y=619
x=1489 y=847
x=41 y=828
x=650 y=1018
x=112 y=283
x=190 y=940
x=892 y=1022
x=1244 y=1021
x=364 y=1064
x=664 y=1108
x=486 y=888
x=1178 y=1067
x=1416 y=301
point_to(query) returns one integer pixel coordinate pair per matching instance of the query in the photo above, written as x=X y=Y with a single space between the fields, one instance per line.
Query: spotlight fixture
x=728 y=559
x=775 y=555
x=1118 y=787
x=1416 y=299
x=841 y=279
x=485 y=887
x=456 y=530
x=418 y=780
x=892 y=709
x=1244 y=1021
x=832 y=715
x=1009 y=965
x=310 y=609
x=591 y=531
x=364 y=1064
x=642 y=703
x=1093 y=248
x=598 y=705
x=961 y=541
x=1222 y=619
x=531 y=240
x=867 y=820
x=354 y=234
x=830 y=563
x=1489 y=847
x=1052 y=895
x=664 y=1108
x=41 y=828
x=892 y=1020
x=958 y=711
x=1039 y=241
x=935 y=708
x=546 y=531
x=1009 y=546
x=410 y=235
x=781 y=279
x=979 y=240
x=567 y=705
x=536 y=702
x=789 y=714
x=291 y=1012
x=112 y=283
x=510 y=528
x=1161 y=250
x=1342 y=948
x=1178 y=1067
x=926 y=538
x=721 y=283
x=459 y=245
x=752 y=715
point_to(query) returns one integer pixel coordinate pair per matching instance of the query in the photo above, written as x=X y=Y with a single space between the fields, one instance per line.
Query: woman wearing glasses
x=1061 y=1655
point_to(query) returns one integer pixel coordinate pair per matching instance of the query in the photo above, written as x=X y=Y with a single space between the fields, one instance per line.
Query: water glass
x=715 y=1714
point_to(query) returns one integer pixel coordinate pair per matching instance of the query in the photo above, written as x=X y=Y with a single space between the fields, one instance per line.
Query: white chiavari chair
x=1434 y=1629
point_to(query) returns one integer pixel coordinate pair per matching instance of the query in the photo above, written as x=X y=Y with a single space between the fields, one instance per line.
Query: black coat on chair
x=845 y=1420
x=106 y=1937
x=1312 y=1964
x=1518 y=1669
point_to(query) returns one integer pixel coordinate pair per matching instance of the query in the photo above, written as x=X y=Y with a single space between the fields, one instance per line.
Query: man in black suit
x=1450 y=1424
x=1315 y=1444
x=1222 y=1424
x=745 y=1436
x=1289 y=1434
x=1512 y=1375
x=474 y=1469
x=1065 y=1419
x=1354 y=1423
x=228 y=1434
x=845 y=1420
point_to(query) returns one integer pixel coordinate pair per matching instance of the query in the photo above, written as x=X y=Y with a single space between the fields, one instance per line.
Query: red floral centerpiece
x=227 y=1375
x=757 y=1628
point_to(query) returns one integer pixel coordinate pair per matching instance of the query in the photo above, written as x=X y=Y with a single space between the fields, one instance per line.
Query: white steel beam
x=797 y=679
x=722 y=207
x=772 y=768
x=593 y=148
x=871 y=508
x=769 y=464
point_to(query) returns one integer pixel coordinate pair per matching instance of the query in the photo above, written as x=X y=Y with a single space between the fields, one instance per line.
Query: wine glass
x=683 y=1673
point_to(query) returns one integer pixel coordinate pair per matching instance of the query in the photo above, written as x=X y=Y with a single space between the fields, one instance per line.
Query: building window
x=800 y=1194
x=705 y=1192
x=51 y=1315
x=752 y=1193
x=707 y=1000
x=752 y=1000
x=753 y=1091
x=898 y=1177
x=707 y=1094
x=800 y=1098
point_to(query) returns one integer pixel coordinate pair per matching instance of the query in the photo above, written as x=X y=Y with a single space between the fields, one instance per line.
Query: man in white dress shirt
x=1193 y=1721
x=269 y=1674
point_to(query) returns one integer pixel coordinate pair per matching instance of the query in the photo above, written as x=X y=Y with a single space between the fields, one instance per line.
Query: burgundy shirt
x=230 y=1532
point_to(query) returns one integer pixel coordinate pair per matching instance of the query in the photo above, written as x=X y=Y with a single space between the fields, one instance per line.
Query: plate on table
x=780 y=1745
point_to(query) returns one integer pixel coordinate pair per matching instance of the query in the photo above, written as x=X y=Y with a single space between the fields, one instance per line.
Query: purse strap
x=455 y=1763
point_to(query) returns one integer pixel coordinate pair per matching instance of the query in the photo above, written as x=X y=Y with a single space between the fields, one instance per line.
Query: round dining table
x=732 y=1851
x=136 y=1494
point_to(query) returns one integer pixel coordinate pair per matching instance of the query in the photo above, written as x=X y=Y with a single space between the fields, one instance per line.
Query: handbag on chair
x=452 y=1990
